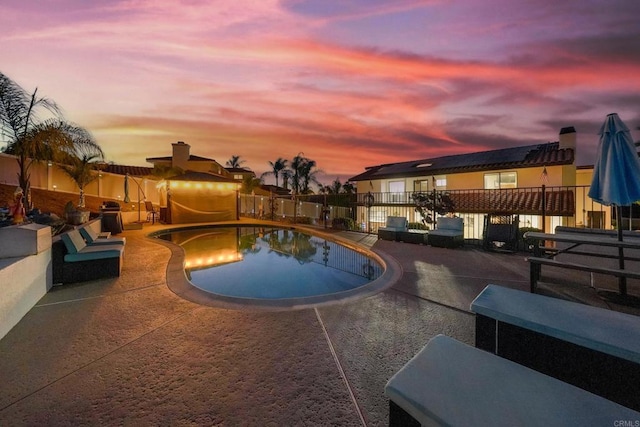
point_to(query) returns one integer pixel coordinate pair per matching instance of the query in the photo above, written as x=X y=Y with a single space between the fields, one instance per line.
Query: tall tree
x=308 y=174
x=335 y=187
x=30 y=138
x=234 y=162
x=302 y=173
x=276 y=168
x=294 y=173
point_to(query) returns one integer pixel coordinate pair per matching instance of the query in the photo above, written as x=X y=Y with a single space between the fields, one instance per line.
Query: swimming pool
x=271 y=266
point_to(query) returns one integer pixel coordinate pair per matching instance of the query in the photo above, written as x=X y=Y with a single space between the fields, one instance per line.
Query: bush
x=418 y=226
x=343 y=223
x=298 y=220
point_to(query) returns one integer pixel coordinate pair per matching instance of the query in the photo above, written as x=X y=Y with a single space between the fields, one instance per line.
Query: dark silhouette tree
x=428 y=204
x=276 y=168
x=235 y=162
x=32 y=139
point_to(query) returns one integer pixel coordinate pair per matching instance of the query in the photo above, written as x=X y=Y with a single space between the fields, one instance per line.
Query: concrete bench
x=394 y=225
x=75 y=261
x=592 y=348
x=537 y=262
x=453 y=384
x=449 y=233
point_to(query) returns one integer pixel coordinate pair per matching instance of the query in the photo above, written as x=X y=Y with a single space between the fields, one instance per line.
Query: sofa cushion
x=398 y=223
x=446 y=233
x=73 y=241
x=95 y=252
x=446 y=223
x=93 y=238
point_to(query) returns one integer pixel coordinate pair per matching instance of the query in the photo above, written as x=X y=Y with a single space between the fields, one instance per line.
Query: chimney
x=180 y=156
x=568 y=139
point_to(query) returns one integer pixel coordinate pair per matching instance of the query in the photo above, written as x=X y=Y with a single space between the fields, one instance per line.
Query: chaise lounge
x=92 y=238
x=75 y=261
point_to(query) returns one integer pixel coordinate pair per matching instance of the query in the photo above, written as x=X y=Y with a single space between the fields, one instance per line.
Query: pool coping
x=179 y=284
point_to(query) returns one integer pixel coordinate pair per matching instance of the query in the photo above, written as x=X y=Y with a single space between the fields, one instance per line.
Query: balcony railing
x=536 y=207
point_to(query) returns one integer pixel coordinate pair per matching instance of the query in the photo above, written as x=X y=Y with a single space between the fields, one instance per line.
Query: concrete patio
x=128 y=351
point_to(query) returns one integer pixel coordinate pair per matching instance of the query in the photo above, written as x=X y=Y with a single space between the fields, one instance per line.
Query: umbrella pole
x=139 y=203
x=622 y=281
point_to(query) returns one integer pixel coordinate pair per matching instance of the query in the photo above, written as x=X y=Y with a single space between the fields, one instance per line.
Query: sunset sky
x=349 y=83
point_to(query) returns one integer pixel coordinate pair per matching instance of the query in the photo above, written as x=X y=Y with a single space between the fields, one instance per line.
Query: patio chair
x=152 y=212
x=394 y=225
x=448 y=234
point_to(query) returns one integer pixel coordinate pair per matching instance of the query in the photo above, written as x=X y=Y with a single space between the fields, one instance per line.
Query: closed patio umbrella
x=126 y=189
x=616 y=173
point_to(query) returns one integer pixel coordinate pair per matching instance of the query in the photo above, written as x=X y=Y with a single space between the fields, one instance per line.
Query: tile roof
x=559 y=202
x=240 y=170
x=123 y=170
x=548 y=154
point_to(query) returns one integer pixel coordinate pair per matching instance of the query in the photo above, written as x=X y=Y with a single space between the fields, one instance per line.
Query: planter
x=77 y=217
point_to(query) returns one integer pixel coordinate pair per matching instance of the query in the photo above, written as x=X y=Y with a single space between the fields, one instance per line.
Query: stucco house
x=204 y=192
x=538 y=181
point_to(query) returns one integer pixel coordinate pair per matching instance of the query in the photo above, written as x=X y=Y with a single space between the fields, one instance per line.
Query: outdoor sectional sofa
x=75 y=261
x=394 y=225
x=449 y=233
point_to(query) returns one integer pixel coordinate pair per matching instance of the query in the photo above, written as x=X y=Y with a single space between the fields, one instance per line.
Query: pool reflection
x=267 y=262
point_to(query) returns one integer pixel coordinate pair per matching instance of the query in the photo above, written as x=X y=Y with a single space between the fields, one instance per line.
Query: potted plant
x=80 y=167
x=75 y=215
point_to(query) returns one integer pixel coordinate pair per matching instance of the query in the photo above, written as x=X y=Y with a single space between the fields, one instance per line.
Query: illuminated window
x=498 y=180
x=441 y=182
x=422 y=185
x=396 y=188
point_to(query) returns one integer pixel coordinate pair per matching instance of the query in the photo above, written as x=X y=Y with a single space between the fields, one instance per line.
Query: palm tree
x=308 y=174
x=29 y=138
x=335 y=187
x=294 y=172
x=79 y=166
x=249 y=183
x=276 y=168
x=234 y=162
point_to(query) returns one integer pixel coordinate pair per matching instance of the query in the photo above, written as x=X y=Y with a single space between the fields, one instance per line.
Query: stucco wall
x=25 y=278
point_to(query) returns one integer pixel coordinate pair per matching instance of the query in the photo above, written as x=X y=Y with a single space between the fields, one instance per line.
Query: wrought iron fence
x=542 y=208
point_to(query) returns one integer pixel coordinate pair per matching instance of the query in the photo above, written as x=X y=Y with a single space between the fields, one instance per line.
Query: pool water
x=270 y=262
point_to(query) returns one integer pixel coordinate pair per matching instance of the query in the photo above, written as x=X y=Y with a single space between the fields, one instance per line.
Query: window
x=422 y=185
x=396 y=188
x=441 y=182
x=500 y=180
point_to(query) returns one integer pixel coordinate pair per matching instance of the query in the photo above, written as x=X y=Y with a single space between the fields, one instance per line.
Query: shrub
x=304 y=220
x=343 y=223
